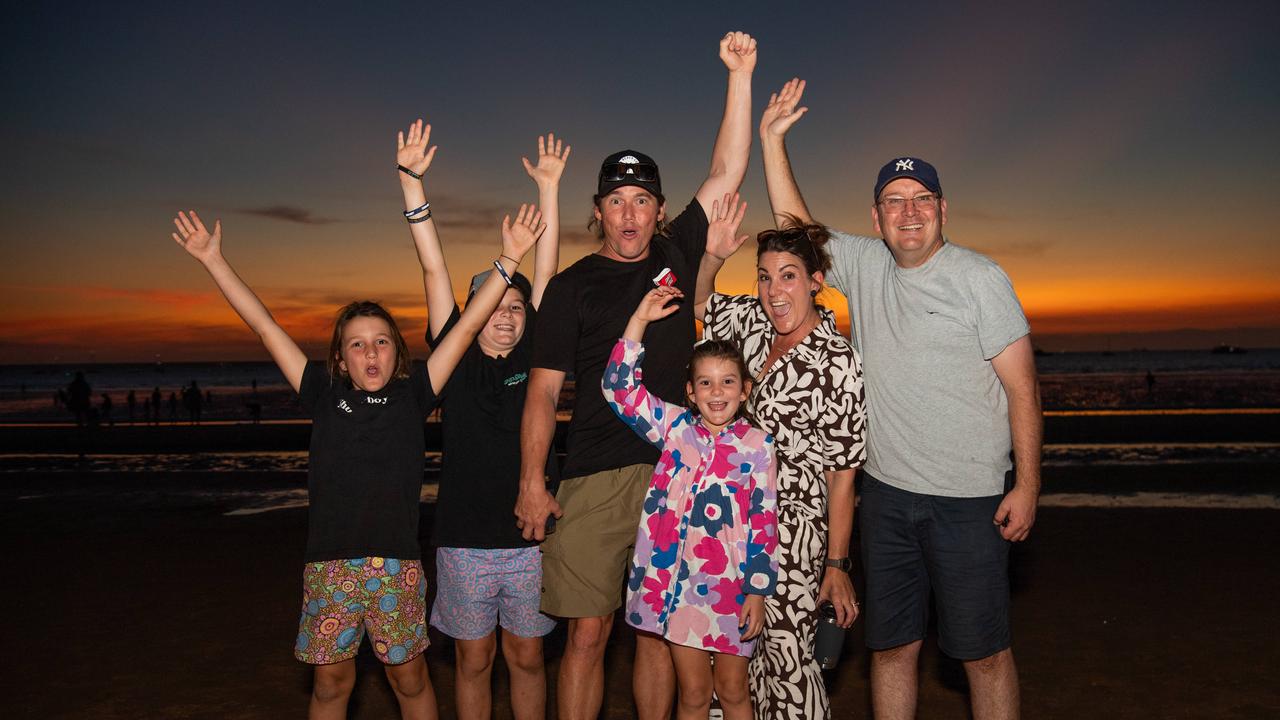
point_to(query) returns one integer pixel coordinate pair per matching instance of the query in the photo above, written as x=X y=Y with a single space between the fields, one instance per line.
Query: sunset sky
x=1121 y=163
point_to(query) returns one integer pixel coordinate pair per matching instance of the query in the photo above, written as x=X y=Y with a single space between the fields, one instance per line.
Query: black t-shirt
x=584 y=312
x=481 y=407
x=366 y=465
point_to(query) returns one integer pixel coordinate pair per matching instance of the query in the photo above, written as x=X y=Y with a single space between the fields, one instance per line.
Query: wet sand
x=129 y=600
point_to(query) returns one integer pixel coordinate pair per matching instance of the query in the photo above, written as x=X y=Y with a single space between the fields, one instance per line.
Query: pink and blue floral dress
x=708 y=533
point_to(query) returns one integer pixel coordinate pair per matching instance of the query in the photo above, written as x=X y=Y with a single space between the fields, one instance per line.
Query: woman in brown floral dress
x=808 y=394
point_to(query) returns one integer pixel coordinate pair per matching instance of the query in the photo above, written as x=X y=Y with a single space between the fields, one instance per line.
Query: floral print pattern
x=708 y=534
x=812 y=401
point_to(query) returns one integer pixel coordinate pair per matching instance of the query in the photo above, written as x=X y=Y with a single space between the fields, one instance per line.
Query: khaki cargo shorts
x=585 y=561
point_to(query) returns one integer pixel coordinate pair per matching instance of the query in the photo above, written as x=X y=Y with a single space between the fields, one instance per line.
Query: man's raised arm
x=733 y=141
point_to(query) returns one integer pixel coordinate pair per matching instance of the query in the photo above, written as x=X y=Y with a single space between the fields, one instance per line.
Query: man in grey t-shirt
x=951 y=392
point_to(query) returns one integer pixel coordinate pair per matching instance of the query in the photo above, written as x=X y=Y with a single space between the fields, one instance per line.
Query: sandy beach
x=146 y=594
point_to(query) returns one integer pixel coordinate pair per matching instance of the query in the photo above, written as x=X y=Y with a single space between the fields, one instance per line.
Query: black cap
x=908 y=167
x=614 y=173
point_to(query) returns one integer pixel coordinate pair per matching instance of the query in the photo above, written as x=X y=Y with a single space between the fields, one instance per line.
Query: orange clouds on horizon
x=209 y=331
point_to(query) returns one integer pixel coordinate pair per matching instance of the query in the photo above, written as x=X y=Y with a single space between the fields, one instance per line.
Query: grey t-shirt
x=937 y=415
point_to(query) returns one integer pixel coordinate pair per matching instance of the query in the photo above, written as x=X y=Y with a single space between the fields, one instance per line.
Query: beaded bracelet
x=424 y=218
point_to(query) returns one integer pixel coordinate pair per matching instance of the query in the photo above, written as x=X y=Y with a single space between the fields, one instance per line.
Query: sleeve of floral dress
x=761 y=575
x=648 y=415
x=843 y=423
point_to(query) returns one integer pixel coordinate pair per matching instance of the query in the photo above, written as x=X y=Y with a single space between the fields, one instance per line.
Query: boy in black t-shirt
x=487 y=575
x=607 y=468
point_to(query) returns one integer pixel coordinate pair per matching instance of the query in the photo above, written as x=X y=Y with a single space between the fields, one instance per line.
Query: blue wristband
x=502 y=271
x=415 y=211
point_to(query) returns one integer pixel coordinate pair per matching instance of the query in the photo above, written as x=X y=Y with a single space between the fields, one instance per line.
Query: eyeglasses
x=927 y=201
x=642 y=172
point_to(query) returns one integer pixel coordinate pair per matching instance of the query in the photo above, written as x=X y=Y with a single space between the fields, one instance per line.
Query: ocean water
x=239 y=376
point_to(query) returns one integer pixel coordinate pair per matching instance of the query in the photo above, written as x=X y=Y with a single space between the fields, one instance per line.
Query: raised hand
x=552 y=154
x=657 y=303
x=738 y=52
x=781 y=112
x=195 y=239
x=412 y=149
x=722 y=238
x=520 y=236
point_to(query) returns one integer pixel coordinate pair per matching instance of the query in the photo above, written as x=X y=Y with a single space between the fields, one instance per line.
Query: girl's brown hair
x=723 y=350
x=365 y=308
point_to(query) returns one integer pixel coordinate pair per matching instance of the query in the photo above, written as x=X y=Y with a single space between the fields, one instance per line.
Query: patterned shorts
x=341 y=599
x=479 y=588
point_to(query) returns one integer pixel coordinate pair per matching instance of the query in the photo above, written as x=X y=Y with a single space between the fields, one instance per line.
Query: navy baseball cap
x=628 y=167
x=908 y=167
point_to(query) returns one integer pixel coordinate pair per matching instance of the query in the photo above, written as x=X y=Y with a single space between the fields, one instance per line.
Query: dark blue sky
x=1119 y=160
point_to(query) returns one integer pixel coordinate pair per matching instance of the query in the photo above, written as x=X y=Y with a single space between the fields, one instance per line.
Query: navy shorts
x=914 y=543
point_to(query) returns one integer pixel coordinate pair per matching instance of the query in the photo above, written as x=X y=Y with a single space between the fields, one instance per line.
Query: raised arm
x=1016 y=368
x=552 y=155
x=722 y=242
x=517 y=239
x=733 y=141
x=207 y=248
x=414 y=154
x=779 y=115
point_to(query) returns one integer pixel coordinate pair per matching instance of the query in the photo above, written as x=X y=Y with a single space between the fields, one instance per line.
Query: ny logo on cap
x=905 y=164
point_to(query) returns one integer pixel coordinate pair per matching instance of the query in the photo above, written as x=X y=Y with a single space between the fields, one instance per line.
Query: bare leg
x=731 y=686
x=894 y=678
x=580 y=689
x=528 y=673
x=472 y=673
x=693 y=668
x=993 y=686
x=331 y=689
x=653 y=678
x=412 y=686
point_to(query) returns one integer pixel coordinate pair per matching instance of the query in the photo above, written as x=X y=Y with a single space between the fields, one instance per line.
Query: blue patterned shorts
x=479 y=588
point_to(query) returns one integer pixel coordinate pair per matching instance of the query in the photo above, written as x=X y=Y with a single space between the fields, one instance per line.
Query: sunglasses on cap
x=641 y=172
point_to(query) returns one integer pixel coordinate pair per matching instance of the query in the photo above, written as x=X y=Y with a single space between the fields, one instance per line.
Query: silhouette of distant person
x=173 y=406
x=78 y=394
x=1151 y=384
x=192 y=400
x=106 y=409
x=132 y=401
x=155 y=405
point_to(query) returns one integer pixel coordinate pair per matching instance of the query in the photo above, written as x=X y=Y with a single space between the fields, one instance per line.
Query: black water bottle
x=830 y=637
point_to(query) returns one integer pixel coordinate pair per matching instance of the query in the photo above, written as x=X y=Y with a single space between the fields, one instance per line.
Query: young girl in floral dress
x=706 y=550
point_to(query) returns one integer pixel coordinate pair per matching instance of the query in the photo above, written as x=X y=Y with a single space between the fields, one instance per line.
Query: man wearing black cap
x=951 y=392
x=607 y=468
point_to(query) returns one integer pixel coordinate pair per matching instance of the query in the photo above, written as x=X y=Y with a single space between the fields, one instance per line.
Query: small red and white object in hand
x=666 y=278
